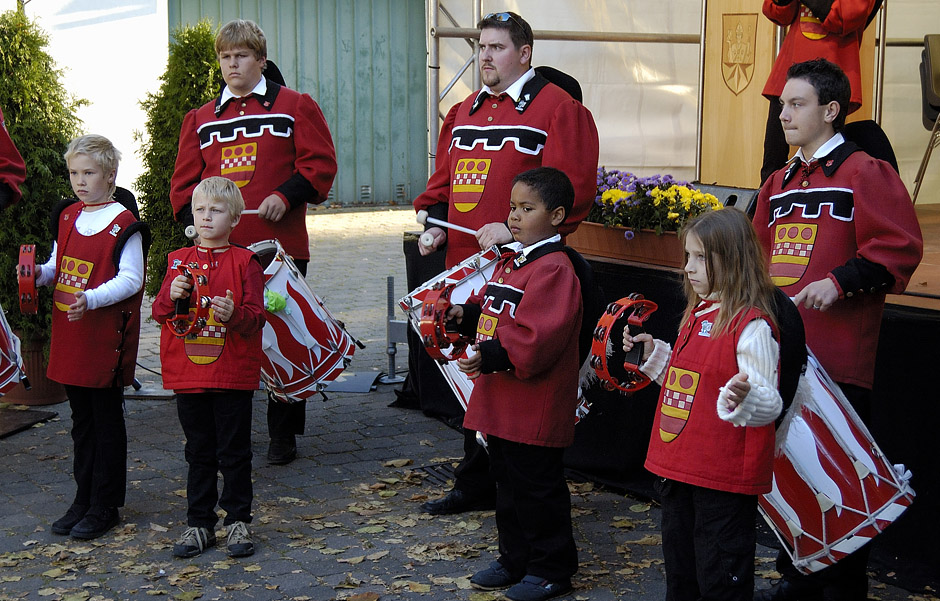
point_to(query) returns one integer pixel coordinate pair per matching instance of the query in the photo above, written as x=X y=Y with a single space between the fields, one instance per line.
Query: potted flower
x=638 y=218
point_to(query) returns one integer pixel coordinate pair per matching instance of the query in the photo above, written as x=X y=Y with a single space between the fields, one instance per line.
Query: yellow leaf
x=377 y=556
x=352 y=560
x=252 y=568
x=397 y=463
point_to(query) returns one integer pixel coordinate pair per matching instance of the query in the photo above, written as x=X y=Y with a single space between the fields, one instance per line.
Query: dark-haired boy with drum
x=214 y=367
x=525 y=369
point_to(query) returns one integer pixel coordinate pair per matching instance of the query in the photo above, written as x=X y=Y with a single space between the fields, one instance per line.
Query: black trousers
x=533 y=510
x=287 y=419
x=99 y=439
x=473 y=475
x=709 y=541
x=217 y=426
x=847 y=579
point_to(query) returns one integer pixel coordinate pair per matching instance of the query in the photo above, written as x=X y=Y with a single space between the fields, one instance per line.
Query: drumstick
x=190 y=230
x=427 y=239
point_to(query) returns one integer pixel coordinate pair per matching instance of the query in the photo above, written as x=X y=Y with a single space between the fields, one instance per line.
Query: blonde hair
x=736 y=265
x=224 y=190
x=242 y=33
x=100 y=150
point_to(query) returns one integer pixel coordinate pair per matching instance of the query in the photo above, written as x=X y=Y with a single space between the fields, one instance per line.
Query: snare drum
x=833 y=488
x=467 y=277
x=11 y=361
x=305 y=347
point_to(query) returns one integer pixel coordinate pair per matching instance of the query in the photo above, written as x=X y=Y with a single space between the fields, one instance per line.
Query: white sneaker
x=193 y=542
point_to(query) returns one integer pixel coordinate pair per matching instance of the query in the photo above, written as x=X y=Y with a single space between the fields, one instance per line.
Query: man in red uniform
x=841 y=233
x=274 y=143
x=12 y=168
x=829 y=29
x=516 y=122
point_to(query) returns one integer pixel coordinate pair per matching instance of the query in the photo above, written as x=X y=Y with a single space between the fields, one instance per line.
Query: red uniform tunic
x=852 y=206
x=224 y=356
x=12 y=168
x=487 y=141
x=534 y=310
x=836 y=39
x=100 y=349
x=278 y=143
x=689 y=442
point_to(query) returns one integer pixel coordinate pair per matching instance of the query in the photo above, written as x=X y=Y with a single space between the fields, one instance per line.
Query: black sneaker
x=534 y=588
x=96 y=522
x=74 y=515
x=493 y=578
x=282 y=450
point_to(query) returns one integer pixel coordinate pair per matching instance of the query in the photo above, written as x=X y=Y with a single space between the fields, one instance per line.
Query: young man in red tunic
x=841 y=233
x=517 y=121
x=274 y=143
x=215 y=372
x=97 y=267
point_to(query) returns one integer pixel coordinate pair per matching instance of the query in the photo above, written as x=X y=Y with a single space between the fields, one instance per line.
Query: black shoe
x=282 y=450
x=74 y=515
x=534 y=588
x=457 y=501
x=493 y=578
x=787 y=590
x=96 y=522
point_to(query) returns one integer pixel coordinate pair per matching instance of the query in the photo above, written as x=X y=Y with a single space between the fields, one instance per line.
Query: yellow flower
x=673 y=216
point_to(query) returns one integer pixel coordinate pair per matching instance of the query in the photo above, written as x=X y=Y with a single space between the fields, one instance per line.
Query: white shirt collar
x=517 y=246
x=515 y=90
x=824 y=150
x=260 y=89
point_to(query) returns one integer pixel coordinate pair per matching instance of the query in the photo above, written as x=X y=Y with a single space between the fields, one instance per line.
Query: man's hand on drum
x=736 y=389
x=272 y=208
x=492 y=234
x=180 y=287
x=818 y=295
x=440 y=238
x=224 y=306
x=629 y=341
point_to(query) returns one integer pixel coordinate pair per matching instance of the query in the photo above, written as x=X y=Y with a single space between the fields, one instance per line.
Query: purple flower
x=628 y=234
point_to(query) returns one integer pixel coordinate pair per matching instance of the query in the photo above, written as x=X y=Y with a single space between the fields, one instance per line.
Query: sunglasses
x=503 y=17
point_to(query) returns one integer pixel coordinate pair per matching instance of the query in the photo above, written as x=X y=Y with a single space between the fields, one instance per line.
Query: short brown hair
x=242 y=33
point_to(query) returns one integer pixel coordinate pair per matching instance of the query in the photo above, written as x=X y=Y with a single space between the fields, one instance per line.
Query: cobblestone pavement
x=340 y=522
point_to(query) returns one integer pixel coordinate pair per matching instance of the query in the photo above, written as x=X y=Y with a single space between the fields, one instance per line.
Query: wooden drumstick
x=427 y=239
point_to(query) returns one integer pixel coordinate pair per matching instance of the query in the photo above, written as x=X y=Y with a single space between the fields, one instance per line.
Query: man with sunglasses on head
x=518 y=121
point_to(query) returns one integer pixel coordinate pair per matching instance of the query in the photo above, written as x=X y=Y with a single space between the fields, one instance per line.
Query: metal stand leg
x=396 y=331
x=931 y=144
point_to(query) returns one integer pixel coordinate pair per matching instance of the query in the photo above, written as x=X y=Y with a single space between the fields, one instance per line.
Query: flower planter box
x=645 y=246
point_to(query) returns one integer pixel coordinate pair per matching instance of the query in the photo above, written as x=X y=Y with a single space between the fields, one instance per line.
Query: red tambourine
x=186 y=322
x=26 y=279
x=607 y=352
x=433 y=326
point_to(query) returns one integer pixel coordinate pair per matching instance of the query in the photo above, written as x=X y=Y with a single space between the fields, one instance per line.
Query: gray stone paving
x=342 y=521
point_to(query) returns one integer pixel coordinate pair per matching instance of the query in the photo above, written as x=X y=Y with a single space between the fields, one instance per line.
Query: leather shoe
x=458 y=501
x=787 y=590
x=96 y=522
x=74 y=515
x=282 y=450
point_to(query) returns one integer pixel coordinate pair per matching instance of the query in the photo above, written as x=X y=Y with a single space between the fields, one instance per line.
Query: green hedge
x=191 y=79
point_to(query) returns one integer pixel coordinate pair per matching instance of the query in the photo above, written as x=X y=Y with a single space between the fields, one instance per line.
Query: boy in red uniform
x=97 y=267
x=12 y=168
x=275 y=144
x=215 y=372
x=526 y=372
